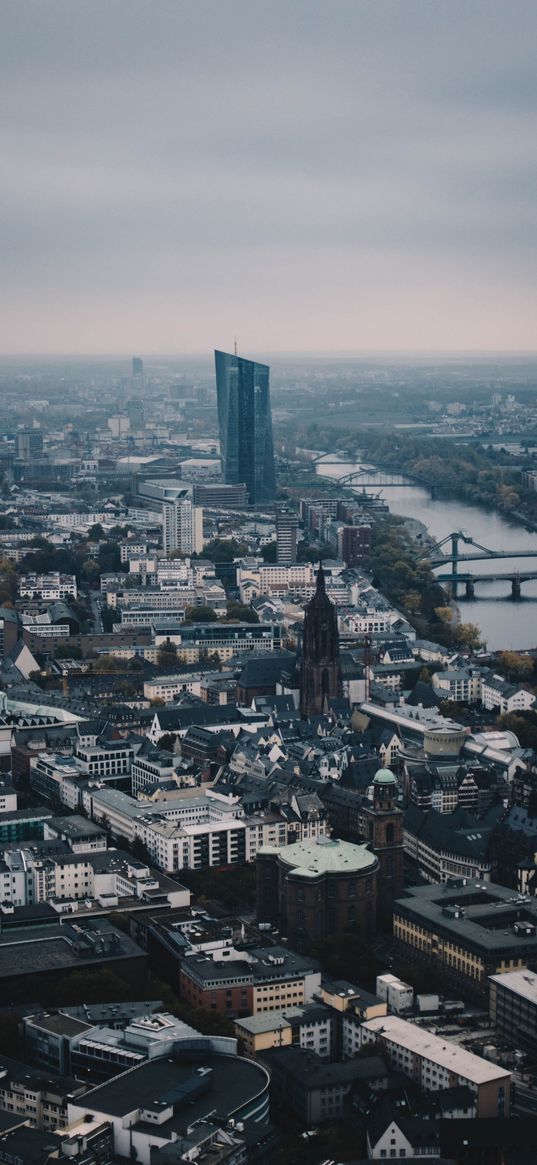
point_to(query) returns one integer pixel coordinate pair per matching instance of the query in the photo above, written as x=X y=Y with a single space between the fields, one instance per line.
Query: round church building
x=317 y=888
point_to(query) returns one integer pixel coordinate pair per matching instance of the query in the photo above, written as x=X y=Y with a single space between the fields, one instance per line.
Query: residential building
x=201 y=640
x=182 y=527
x=497 y=694
x=445 y=846
x=41 y=1101
x=286 y=536
x=311 y=1027
x=436 y=1063
x=308 y=1087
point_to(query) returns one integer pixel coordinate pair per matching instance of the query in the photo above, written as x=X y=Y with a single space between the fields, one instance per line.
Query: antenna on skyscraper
x=235 y=345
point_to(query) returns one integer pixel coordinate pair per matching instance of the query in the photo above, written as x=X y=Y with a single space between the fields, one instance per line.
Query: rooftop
x=424 y=1043
x=234 y=1081
x=323 y=855
x=486 y=915
x=522 y=983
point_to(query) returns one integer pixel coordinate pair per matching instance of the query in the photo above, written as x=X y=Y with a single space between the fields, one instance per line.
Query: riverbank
x=506 y=623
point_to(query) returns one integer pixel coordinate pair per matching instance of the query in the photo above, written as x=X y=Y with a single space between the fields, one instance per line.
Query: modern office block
x=245 y=423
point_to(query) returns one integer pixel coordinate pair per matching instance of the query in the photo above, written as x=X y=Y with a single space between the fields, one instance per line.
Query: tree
x=167 y=742
x=445 y=615
x=91 y=570
x=516 y=666
x=166 y=654
x=108 y=663
x=468 y=635
x=201 y=614
x=268 y=552
x=412 y=601
x=96 y=533
x=241 y=613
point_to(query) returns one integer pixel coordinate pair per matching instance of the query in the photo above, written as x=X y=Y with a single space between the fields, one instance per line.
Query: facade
x=467 y=931
x=317 y=888
x=320 y=672
x=311 y=1027
x=245 y=424
x=286 y=536
x=305 y=1085
x=182 y=527
x=436 y=1064
x=513 y=1008
x=39 y=1100
x=383 y=829
x=447 y=846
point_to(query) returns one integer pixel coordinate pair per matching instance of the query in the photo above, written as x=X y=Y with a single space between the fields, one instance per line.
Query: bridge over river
x=438 y=559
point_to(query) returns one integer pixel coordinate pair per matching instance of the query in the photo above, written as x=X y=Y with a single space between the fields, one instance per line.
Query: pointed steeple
x=321 y=580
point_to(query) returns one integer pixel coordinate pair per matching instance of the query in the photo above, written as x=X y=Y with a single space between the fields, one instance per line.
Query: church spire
x=321 y=580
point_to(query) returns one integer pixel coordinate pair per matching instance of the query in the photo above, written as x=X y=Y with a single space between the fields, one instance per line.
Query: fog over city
x=349 y=176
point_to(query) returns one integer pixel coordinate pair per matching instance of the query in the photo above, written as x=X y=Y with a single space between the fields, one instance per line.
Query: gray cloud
x=344 y=173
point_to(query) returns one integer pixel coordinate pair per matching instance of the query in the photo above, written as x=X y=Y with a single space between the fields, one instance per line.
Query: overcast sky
x=311 y=175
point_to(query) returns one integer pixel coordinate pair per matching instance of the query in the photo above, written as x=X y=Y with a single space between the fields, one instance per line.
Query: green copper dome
x=384 y=777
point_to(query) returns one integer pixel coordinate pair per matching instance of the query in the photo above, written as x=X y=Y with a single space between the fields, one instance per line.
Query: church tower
x=383 y=828
x=320 y=674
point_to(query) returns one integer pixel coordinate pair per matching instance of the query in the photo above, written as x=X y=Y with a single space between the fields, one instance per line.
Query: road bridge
x=515 y=577
x=437 y=557
x=369 y=475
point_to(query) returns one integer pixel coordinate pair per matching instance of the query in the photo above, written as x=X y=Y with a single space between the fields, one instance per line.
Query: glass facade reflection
x=245 y=423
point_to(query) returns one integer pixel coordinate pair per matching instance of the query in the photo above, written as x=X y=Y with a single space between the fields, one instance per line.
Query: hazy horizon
x=323 y=178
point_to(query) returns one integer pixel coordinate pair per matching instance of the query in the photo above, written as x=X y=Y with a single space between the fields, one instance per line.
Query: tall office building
x=135 y=413
x=286 y=537
x=28 y=443
x=137 y=376
x=245 y=423
x=182 y=527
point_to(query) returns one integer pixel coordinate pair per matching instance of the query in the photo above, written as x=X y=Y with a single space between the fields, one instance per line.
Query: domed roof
x=384 y=777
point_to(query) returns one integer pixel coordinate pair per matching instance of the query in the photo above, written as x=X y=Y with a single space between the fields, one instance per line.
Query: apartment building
x=41 y=1101
x=311 y=1026
x=435 y=1063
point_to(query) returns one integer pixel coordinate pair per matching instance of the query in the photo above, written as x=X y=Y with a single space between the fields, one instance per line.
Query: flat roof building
x=436 y=1064
x=467 y=931
x=513 y=1008
x=192 y=1100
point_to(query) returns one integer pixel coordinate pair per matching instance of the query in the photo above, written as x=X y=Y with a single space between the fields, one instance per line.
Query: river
x=504 y=622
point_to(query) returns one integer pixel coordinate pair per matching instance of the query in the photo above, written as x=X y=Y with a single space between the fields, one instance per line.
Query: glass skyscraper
x=245 y=423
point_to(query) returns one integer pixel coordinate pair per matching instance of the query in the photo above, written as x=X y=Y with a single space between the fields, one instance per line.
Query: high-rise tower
x=245 y=423
x=286 y=536
x=320 y=673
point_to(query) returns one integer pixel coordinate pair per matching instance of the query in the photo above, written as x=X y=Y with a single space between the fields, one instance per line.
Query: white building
x=497 y=694
x=398 y=995
x=435 y=1063
x=182 y=527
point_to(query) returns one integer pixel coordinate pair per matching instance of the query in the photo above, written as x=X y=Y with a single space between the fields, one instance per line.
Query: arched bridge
x=477 y=553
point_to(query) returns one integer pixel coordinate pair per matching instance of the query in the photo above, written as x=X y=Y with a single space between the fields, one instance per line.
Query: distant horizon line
x=316 y=354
